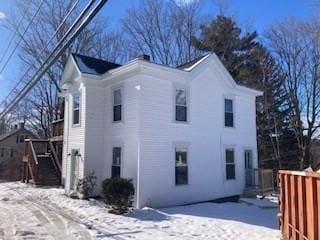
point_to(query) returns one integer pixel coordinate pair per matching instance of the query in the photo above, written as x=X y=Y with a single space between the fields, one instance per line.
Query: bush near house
x=86 y=185
x=118 y=193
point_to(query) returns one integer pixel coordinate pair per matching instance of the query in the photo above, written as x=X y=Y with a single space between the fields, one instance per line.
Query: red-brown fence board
x=299 y=205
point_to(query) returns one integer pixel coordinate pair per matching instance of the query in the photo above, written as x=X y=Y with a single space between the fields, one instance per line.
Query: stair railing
x=31 y=161
x=55 y=159
x=33 y=149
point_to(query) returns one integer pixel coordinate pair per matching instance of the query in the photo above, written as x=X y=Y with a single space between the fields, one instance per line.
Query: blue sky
x=251 y=14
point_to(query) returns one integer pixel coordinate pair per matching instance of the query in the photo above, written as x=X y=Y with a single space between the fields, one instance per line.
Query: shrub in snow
x=118 y=193
x=86 y=185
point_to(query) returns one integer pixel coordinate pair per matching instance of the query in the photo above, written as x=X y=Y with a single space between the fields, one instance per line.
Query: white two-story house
x=182 y=135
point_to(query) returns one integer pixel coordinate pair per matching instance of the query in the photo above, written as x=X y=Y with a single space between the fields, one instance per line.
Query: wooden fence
x=299 y=205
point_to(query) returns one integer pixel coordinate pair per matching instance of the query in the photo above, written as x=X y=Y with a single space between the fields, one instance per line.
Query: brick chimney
x=144 y=57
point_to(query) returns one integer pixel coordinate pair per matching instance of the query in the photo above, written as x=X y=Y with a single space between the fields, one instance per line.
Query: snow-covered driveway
x=22 y=216
x=35 y=213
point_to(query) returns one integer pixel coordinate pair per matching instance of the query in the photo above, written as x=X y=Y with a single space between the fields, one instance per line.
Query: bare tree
x=163 y=29
x=96 y=40
x=296 y=45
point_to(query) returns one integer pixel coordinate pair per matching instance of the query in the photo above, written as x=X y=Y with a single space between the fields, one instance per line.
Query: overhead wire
x=13 y=36
x=21 y=37
x=79 y=24
x=72 y=8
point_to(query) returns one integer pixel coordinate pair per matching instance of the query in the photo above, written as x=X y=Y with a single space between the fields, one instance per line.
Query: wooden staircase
x=41 y=164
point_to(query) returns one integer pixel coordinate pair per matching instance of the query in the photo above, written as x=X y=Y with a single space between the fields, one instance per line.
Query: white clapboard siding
x=148 y=132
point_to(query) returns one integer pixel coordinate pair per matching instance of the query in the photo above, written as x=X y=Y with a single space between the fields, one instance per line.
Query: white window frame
x=234 y=162
x=232 y=98
x=175 y=147
x=79 y=109
x=187 y=90
x=113 y=89
x=121 y=158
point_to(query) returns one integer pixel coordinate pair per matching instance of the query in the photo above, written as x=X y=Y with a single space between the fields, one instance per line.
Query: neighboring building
x=11 y=152
x=183 y=135
x=315 y=154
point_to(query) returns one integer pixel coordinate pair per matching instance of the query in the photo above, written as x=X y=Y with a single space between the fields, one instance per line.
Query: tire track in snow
x=74 y=229
x=6 y=229
x=52 y=229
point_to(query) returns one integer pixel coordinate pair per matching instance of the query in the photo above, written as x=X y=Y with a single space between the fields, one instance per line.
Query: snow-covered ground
x=37 y=213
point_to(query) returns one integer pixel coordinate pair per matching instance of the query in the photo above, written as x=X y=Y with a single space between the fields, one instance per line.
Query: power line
x=41 y=51
x=21 y=37
x=77 y=27
x=13 y=35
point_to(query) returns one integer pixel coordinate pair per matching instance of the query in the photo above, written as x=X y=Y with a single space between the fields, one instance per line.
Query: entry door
x=248 y=162
x=74 y=169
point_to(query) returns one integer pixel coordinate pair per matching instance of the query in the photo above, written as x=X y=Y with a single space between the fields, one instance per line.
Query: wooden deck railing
x=57 y=128
x=299 y=205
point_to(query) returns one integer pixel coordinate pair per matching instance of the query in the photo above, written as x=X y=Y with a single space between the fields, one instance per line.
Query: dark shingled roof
x=92 y=65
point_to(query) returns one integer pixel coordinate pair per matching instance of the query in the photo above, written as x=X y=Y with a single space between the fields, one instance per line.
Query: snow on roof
x=192 y=64
x=92 y=65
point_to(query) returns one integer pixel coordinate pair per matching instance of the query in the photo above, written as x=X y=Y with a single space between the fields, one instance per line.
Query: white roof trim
x=146 y=67
x=197 y=63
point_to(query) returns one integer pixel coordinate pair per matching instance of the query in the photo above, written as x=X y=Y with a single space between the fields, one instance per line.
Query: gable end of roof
x=90 y=65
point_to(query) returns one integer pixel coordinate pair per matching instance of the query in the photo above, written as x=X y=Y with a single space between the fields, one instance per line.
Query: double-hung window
x=116 y=162
x=117 y=105
x=230 y=164
x=228 y=113
x=181 y=105
x=76 y=109
x=181 y=166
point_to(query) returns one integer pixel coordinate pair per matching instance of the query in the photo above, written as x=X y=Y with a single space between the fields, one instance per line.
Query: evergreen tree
x=234 y=49
x=250 y=64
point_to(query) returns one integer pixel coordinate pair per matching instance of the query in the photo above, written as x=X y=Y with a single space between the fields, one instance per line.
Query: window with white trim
x=117 y=105
x=228 y=113
x=230 y=164
x=116 y=162
x=181 y=165
x=181 y=105
x=76 y=109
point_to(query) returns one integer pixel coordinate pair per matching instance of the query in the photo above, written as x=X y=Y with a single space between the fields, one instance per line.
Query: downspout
x=67 y=143
x=138 y=174
x=139 y=147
